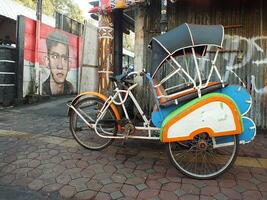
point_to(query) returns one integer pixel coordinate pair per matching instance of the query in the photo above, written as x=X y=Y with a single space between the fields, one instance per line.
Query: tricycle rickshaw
x=201 y=121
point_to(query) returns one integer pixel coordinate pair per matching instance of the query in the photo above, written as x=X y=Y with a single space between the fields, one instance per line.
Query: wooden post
x=140 y=55
x=105 y=52
x=139 y=50
x=118 y=40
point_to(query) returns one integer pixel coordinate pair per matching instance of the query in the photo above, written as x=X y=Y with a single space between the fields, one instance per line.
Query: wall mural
x=56 y=72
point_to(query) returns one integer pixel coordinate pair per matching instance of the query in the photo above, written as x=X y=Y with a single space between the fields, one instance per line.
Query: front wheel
x=200 y=158
x=90 y=108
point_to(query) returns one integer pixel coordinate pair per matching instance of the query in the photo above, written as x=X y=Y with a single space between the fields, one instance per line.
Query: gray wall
x=248 y=37
x=89 y=65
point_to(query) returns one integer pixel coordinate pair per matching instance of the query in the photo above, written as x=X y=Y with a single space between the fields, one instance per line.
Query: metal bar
x=144 y=137
x=198 y=72
x=227 y=51
x=7 y=85
x=139 y=108
x=187 y=75
x=233 y=26
x=147 y=128
x=75 y=110
x=8 y=61
x=10 y=73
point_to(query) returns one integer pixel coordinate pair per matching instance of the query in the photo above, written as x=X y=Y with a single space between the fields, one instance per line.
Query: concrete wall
x=89 y=65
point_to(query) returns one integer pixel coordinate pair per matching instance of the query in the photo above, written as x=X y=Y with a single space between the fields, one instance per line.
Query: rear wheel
x=200 y=158
x=89 y=108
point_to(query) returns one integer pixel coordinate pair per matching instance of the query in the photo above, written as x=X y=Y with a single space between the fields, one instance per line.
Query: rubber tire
x=207 y=177
x=72 y=115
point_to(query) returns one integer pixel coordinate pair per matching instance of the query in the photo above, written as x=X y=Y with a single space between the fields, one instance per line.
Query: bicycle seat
x=118 y=78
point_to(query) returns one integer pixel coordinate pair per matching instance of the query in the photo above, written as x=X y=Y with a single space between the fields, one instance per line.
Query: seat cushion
x=189 y=94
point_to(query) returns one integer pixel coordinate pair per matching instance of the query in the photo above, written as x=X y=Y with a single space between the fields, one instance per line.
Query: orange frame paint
x=208 y=130
x=104 y=98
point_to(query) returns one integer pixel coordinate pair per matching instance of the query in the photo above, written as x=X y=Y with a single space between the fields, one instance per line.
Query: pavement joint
x=38 y=152
x=240 y=161
x=141 y=186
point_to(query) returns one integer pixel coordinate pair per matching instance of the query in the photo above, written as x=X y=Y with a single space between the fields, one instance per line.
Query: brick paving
x=38 y=157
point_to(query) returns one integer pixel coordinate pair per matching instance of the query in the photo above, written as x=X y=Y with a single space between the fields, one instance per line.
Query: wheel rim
x=85 y=135
x=199 y=159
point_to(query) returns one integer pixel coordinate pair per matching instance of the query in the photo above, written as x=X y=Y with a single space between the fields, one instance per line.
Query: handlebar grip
x=143 y=72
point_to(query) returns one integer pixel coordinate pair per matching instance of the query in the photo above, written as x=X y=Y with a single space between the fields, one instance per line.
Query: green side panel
x=191 y=103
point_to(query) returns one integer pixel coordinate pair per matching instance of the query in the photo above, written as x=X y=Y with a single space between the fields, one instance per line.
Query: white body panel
x=215 y=115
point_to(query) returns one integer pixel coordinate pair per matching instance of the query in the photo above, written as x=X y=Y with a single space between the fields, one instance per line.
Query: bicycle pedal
x=126 y=135
x=123 y=143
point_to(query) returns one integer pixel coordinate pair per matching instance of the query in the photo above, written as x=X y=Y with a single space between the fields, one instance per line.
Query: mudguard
x=96 y=94
x=240 y=96
x=215 y=114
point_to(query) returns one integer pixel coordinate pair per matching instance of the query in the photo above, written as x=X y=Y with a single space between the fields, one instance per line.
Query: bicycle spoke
x=197 y=158
x=89 y=108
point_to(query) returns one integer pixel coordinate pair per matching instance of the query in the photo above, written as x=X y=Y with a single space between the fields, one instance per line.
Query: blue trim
x=154 y=92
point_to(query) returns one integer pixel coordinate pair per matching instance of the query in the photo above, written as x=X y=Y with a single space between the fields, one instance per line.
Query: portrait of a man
x=57 y=60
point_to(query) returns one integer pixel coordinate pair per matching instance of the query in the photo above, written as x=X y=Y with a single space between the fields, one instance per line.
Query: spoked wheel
x=89 y=108
x=200 y=158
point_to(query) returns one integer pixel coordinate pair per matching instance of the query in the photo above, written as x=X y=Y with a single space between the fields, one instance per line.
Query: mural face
x=57 y=68
x=58 y=63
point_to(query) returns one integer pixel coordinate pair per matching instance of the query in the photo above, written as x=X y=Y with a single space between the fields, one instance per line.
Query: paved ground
x=40 y=160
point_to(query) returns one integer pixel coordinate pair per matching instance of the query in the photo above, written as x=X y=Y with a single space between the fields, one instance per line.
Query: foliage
x=66 y=7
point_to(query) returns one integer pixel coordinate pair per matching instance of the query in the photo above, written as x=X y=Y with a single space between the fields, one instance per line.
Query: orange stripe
x=205 y=129
x=104 y=98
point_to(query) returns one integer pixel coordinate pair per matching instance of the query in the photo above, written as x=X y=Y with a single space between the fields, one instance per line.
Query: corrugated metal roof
x=11 y=9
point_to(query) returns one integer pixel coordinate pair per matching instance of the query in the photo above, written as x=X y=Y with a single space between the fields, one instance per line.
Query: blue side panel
x=240 y=96
x=158 y=118
x=246 y=136
x=249 y=131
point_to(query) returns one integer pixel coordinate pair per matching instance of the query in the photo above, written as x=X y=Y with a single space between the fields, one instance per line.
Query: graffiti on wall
x=244 y=61
x=56 y=72
x=253 y=54
x=245 y=58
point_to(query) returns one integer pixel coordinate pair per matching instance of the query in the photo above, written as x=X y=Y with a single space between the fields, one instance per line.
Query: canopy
x=182 y=38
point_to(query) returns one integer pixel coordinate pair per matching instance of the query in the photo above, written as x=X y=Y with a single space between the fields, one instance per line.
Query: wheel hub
x=129 y=128
x=202 y=145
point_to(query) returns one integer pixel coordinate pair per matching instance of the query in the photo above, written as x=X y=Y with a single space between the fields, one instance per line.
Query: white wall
x=89 y=66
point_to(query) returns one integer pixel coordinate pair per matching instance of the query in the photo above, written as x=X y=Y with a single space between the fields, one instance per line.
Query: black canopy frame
x=186 y=38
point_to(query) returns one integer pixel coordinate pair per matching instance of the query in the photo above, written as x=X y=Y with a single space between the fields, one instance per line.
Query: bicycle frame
x=112 y=99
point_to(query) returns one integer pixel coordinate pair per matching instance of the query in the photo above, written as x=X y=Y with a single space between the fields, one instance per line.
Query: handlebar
x=132 y=73
x=142 y=73
x=124 y=76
